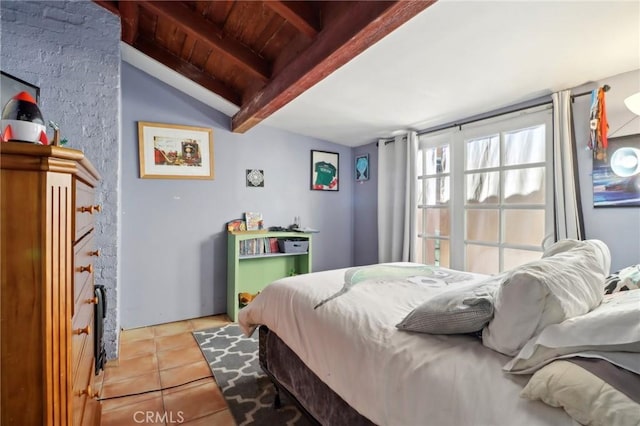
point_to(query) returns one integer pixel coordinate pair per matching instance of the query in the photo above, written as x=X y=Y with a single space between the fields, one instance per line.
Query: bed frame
x=292 y=377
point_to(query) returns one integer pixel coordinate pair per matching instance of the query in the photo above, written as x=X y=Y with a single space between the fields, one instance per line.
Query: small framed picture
x=324 y=170
x=362 y=167
x=255 y=178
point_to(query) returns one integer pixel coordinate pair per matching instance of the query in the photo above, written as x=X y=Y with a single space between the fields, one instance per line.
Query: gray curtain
x=567 y=203
x=397 y=183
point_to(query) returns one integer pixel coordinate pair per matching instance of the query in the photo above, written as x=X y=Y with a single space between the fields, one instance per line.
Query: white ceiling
x=454 y=60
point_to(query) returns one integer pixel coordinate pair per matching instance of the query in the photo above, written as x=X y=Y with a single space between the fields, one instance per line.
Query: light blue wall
x=71 y=50
x=173 y=231
x=365 y=210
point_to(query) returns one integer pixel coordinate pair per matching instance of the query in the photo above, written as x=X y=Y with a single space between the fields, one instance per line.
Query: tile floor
x=162 y=378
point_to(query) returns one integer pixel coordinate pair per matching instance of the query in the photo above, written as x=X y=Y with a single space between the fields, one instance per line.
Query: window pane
x=438 y=222
x=483 y=153
x=436 y=191
x=524 y=186
x=482 y=259
x=524 y=227
x=483 y=188
x=445 y=256
x=524 y=146
x=420 y=250
x=437 y=252
x=420 y=214
x=437 y=160
x=482 y=225
x=513 y=258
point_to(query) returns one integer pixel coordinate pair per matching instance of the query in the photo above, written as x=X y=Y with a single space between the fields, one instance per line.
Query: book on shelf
x=258 y=246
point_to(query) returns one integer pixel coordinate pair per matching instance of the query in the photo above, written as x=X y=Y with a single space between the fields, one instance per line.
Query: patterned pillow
x=625 y=279
x=459 y=311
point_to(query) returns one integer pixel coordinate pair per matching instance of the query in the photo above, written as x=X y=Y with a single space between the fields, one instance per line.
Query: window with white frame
x=485 y=200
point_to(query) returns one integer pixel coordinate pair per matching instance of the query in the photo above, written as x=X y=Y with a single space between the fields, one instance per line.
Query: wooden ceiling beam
x=209 y=33
x=187 y=70
x=301 y=15
x=111 y=6
x=360 y=25
x=129 y=13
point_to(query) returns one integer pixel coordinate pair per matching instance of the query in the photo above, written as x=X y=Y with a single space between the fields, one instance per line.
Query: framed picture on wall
x=171 y=151
x=11 y=86
x=324 y=170
x=616 y=178
x=362 y=167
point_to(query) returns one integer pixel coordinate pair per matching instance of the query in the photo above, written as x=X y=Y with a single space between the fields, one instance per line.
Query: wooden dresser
x=47 y=250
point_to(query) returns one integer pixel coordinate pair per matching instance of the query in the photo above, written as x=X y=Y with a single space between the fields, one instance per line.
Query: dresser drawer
x=84 y=259
x=85 y=208
x=82 y=326
x=82 y=389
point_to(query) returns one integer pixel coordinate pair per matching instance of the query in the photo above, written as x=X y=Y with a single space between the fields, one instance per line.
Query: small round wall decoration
x=255 y=178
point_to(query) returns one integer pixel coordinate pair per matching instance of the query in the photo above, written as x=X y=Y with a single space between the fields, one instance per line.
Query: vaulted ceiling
x=258 y=55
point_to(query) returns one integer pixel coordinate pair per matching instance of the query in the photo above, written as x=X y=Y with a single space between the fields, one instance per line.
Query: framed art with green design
x=324 y=171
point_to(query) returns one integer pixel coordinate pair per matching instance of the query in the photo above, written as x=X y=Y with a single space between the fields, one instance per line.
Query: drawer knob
x=88 y=391
x=92 y=301
x=90 y=209
x=84 y=330
x=95 y=253
x=88 y=268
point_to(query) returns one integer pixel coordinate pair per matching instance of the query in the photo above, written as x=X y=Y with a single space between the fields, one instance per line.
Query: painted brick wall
x=71 y=51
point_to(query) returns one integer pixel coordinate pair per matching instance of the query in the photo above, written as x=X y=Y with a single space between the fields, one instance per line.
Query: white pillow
x=586 y=397
x=547 y=291
x=611 y=331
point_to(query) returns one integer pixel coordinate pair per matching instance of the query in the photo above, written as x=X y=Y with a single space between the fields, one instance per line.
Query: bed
x=350 y=344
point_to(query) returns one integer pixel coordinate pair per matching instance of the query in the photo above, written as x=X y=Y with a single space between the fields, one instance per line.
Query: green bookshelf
x=252 y=272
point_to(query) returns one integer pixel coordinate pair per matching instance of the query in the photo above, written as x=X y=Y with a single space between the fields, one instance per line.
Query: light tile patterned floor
x=161 y=378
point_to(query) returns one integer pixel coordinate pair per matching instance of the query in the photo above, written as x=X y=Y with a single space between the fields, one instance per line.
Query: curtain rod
x=496 y=113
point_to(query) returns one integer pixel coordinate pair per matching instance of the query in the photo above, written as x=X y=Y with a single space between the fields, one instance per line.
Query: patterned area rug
x=233 y=359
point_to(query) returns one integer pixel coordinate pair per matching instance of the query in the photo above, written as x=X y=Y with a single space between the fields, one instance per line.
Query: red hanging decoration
x=598 y=124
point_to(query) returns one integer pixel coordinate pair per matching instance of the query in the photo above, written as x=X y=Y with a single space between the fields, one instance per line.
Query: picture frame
x=616 y=178
x=173 y=151
x=11 y=86
x=255 y=178
x=324 y=171
x=361 y=165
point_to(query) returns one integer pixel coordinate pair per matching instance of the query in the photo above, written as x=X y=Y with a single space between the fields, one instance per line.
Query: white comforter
x=390 y=376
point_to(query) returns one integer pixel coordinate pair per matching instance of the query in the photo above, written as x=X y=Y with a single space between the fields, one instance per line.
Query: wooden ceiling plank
x=195 y=25
x=129 y=14
x=187 y=70
x=299 y=14
x=343 y=38
x=187 y=48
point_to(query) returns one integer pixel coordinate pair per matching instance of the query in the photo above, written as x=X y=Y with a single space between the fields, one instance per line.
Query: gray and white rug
x=233 y=359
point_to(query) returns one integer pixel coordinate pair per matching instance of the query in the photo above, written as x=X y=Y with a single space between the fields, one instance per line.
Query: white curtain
x=568 y=209
x=397 y=183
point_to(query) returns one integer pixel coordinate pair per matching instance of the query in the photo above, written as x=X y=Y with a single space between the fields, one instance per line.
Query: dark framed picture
x=255 y=178
x=324 y=170
x=11 y=86
x=616 y=177
x=362 y=167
